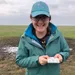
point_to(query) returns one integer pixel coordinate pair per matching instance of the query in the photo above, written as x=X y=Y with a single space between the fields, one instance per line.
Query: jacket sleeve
x=65 y=52
x=22 y=57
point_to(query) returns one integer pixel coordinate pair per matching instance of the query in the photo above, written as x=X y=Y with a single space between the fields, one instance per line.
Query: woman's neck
x=41 y=34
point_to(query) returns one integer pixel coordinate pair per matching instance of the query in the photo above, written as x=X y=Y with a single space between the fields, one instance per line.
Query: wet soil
x=7 y=42
x=13 y=42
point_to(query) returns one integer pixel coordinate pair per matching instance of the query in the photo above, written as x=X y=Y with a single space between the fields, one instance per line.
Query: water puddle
x=14 y=49
x=10 y=49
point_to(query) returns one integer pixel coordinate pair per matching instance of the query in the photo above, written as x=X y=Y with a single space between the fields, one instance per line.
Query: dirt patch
x=7 y=60
x=13 y=42
x=71 y=43
x=4 y=42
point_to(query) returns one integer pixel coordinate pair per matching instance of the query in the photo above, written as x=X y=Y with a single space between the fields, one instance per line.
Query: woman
x=41 y=41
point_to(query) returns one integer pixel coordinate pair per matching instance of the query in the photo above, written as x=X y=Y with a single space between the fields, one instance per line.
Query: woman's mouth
x=41 y=25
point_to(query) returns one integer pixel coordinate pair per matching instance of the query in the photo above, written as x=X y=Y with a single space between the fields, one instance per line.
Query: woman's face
x=40 y=23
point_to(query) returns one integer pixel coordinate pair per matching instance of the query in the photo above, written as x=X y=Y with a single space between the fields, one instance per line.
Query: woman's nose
x=40 y=21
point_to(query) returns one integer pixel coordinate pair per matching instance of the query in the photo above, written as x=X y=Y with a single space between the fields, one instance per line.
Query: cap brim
x=34 y=14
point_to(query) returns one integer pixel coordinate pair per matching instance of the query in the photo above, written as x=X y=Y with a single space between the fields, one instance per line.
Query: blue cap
x=40 y=8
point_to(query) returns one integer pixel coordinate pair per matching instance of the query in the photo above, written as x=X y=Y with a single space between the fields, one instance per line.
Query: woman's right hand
x=43 y=59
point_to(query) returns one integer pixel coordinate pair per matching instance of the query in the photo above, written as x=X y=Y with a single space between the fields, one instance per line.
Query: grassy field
x=68 y=31
x=15 y=31
x=9 y=67
x=11 y=31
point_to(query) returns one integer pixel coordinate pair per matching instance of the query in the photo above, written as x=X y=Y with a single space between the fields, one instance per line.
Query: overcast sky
x=17 y=12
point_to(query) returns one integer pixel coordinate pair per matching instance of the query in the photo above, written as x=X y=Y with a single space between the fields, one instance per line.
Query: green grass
x=16 y=31
x=11 y=31
x=68 y=31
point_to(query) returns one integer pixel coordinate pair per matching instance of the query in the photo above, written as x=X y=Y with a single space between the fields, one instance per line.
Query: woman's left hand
x=59 y=57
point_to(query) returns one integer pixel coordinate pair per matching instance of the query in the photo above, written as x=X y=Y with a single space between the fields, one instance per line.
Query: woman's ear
x=50 y=18
x=30 y=16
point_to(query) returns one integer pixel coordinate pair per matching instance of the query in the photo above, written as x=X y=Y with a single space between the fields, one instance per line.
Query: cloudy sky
x=17 y=12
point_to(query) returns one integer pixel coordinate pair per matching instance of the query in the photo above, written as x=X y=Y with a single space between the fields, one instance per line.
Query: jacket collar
x=30 y=34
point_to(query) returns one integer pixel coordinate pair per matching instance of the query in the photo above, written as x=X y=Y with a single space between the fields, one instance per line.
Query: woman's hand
x=59 y=57
x=43 y=59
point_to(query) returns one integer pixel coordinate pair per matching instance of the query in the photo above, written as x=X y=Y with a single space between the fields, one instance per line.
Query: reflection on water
x=10 y=49
x=14 y=49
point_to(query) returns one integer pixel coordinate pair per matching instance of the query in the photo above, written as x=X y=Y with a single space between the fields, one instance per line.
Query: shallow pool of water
x=10 y=49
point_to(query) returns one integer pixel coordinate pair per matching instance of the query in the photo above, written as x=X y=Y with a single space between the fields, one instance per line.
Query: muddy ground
x=10 y=42
x=13 y=41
